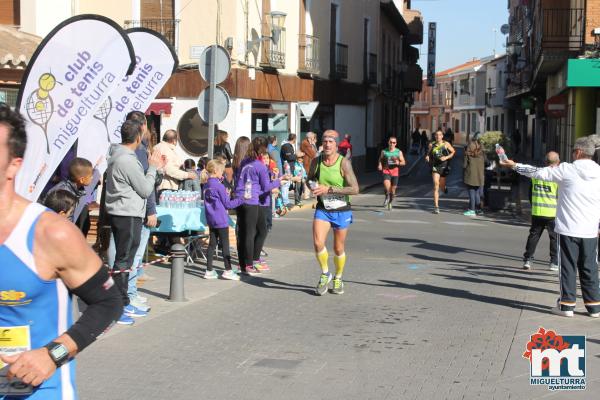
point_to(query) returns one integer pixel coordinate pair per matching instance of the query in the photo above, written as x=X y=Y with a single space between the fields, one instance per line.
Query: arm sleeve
x=142 y=184
x=550 y=174
x=173 y=170
x=227 y=202
x=104 y=307
x=266 y=184
x=151 y=203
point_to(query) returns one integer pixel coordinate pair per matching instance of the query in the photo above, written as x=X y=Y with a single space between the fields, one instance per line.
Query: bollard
x=178 y=255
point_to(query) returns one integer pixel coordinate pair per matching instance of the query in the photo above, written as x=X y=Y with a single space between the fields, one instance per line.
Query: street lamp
x=277 y=21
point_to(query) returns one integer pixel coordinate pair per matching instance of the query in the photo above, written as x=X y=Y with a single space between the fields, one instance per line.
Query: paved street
x=436 y=307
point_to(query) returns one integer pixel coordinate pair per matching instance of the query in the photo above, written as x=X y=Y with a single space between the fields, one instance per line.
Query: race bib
x=13 y=340
x=334 y=201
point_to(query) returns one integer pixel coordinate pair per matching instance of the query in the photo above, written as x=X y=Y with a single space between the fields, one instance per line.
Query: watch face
x=59 y=352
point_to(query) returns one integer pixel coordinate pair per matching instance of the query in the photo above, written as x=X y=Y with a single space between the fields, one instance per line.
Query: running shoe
x=553 y=267
x=251 y=271
x=338 y=286
x=479 y=212
x=323 y=284
x=261 y=266
x=445 y=190
x=133 y=311
x=436 y=210
x=469 y=213
x=125 y=320
x=594 y=315
x=230 y=276
x=527 y=264
x=210 y=275
x=563 y=313
x=386 y=201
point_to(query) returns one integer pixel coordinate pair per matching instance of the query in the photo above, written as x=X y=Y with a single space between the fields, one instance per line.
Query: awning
x=159 y=108
x=583 y=72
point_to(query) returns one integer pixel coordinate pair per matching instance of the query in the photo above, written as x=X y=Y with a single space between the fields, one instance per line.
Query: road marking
x=463 y=223
x=406 y=221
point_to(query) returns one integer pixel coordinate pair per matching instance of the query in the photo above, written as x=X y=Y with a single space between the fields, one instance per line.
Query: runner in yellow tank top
x=332 y=181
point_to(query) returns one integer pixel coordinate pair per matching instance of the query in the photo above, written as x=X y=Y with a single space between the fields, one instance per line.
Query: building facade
x=354 y=57
x=553 y=94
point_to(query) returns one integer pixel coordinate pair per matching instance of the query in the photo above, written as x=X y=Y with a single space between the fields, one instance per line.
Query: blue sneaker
x=125 y=320
x=133 y=311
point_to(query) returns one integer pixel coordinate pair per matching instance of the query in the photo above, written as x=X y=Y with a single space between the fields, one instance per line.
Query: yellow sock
x=340 y=262
x=322 y=258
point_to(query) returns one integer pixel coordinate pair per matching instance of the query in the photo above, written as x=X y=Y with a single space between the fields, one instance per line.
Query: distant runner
x=439 y=154
x=390 y=161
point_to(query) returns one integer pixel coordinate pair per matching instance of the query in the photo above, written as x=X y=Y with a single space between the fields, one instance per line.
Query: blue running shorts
x=337 y=219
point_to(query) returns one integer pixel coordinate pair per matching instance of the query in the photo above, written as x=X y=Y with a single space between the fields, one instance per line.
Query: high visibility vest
x=544 y=198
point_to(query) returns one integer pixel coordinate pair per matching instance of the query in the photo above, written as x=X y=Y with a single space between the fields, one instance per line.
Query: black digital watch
x=58 y=353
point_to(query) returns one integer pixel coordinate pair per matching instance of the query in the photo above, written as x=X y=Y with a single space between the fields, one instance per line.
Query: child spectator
x=61 y=202
x=79 y=183
x=216 y=203
x=190 y=185
x=299 y=178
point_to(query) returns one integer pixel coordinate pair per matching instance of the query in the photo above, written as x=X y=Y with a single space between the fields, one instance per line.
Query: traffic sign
x=222 y=64
x=308 y=109
x=221 y=105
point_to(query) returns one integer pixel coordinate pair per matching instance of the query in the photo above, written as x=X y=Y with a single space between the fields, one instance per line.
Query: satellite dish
x=253 y=46
x=505 y=29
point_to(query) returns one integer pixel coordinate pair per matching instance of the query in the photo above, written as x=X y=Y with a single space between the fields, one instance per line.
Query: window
x=464 y=86
x=502 y=122
x=495 y=122
x=487 y=124
x=463 y=122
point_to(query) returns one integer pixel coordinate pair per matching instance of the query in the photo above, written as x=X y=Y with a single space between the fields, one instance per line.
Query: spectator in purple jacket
x=252 y=181
x=216 y=204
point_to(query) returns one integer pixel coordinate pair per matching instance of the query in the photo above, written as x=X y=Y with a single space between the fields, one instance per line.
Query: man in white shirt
x=577 y=218
x=173 y=174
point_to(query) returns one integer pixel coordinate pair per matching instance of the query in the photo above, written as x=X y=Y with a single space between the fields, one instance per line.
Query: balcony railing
x=274 y=50
x=339 y=61
x=370 y=68
x=169 y=28
x=558 y=29
x=308 y=54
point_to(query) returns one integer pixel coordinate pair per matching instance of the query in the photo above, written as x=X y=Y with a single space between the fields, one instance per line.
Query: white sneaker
x=230 y=275
x=141 y=299
x=527 y=265
x=210 y=275
x=553 y=267
x=556 y=310
x=139 y=305
x=594 y=315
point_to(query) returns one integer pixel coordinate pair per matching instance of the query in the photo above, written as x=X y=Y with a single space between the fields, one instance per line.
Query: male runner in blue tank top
x=44 y=259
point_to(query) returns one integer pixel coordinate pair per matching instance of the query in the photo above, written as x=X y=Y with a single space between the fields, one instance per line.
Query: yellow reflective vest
x=544 y=198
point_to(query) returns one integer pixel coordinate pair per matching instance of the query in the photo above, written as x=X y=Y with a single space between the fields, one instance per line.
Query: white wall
x=237 y=123
x=39 y=17
x=351 y=120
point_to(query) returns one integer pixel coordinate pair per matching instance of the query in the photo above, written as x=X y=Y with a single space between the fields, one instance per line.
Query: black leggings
x=247 y=222
x=261 y=230
x=222 y=235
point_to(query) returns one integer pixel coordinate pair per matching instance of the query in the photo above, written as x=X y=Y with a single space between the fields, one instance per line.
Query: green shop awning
x=583 y=72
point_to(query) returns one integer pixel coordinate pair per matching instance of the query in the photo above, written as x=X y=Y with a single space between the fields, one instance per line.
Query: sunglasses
x=392 y=142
